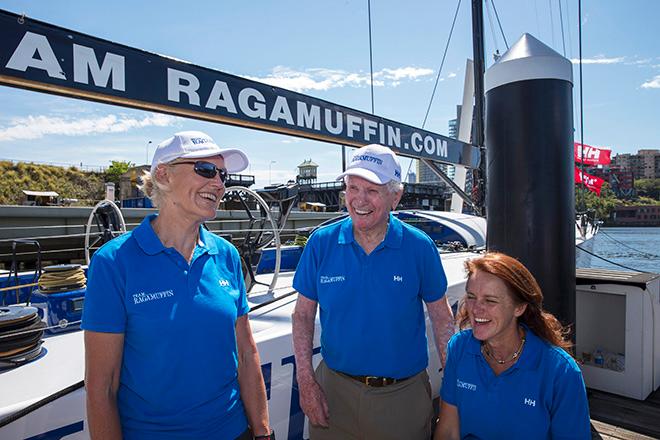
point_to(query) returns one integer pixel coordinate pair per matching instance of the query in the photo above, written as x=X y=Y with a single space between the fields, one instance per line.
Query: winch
x=21 y=331
x=60 y=297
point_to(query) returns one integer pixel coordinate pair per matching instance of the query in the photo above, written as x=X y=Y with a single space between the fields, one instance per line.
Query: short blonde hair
x=153 y=189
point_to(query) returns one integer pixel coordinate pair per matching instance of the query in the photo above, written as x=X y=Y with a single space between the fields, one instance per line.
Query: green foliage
x=115 y=171
x=68 y=183
x=605 y=204
x=648 y=188
x=647 y=201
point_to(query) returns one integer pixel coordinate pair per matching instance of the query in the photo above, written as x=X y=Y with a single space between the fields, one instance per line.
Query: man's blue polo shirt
x=542 y=396
x=372 y=317
x=179 y=367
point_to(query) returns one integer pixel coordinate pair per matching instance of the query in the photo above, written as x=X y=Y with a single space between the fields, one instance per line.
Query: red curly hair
x=525 y=290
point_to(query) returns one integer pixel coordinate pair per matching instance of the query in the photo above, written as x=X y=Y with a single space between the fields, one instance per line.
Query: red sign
x=592 y=183
x=592 y=155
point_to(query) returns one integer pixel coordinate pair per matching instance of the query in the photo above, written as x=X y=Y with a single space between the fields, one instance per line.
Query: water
x=636 y=248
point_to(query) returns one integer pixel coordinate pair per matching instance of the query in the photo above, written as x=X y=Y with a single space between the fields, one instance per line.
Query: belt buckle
x=374 y=381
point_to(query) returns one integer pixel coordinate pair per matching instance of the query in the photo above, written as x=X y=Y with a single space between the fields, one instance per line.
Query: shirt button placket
x=185 y=269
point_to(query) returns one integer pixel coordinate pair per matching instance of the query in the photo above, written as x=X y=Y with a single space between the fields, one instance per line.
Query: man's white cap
x=197 y=145
x=376 y=163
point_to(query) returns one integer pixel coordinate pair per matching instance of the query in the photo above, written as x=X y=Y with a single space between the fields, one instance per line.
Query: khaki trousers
x=402 y=411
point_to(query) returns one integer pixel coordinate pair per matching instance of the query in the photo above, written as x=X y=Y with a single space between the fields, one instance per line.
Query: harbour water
x=635 y=248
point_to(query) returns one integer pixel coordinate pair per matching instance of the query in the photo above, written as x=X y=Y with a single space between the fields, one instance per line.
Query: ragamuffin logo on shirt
x=466 y=385
x=143 y=297
x=332 y=279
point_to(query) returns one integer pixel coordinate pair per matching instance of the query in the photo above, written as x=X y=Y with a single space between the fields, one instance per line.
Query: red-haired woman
x=508 y=374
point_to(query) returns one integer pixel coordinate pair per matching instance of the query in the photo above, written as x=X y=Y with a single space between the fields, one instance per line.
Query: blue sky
x=322 y=49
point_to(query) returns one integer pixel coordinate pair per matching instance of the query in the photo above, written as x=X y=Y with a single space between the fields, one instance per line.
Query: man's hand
x=312 y=401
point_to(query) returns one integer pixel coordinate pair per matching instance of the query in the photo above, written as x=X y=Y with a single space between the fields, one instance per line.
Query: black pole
x=529 y=147
x=343 y=158
x=581 y=188
x=479 y=107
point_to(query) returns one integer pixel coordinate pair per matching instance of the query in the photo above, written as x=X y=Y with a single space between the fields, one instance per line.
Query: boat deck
x=616 y=417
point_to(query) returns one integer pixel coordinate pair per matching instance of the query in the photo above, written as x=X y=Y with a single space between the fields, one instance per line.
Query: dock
x=616 y=417
x=618 y=311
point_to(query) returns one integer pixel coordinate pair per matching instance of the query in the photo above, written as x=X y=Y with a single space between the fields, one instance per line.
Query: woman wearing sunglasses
x=169 y=350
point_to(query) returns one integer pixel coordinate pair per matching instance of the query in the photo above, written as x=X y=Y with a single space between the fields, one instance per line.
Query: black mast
x=479 y=69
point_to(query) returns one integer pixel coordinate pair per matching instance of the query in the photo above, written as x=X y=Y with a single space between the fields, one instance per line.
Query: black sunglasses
x=208 y=170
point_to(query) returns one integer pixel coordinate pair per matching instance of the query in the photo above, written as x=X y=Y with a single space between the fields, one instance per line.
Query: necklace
x=514 y=356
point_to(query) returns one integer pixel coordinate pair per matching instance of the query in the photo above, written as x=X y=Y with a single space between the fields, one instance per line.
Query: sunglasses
x=207 y=170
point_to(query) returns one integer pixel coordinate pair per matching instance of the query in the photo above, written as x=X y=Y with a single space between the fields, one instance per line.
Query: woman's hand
x=448 y=427
x=250 y=379
x=103 y=356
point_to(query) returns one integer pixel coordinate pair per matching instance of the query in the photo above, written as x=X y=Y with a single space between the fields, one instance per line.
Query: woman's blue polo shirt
x=372 y=316
x=179 y=367
x=542 y=396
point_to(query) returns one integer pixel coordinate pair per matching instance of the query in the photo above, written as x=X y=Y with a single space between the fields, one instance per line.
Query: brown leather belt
x=375 y=381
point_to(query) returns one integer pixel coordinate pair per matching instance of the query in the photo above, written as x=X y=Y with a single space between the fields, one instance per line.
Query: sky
x=321 y=49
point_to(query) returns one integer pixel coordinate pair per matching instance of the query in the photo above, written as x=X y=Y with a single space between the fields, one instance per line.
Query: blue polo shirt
x=179 y=366
x=542 y=396
x=372 y=317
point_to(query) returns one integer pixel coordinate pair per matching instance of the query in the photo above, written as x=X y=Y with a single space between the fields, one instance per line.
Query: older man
x=369 y=274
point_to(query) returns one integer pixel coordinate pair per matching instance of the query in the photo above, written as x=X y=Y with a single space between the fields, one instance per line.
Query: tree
x=115 y=171
x=603 y=205
x=648 y=188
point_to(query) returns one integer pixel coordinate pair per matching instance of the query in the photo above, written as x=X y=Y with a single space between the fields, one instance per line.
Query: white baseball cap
x=197 y=145
x=376 y=163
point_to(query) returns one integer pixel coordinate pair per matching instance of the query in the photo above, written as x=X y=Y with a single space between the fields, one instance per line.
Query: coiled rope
x=61 y=278
x=300 y=240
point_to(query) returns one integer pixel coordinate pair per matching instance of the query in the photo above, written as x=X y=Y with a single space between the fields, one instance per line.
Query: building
x=648 y=215
x=40 y=198
x=621 y=180
x=649 y=164
x=454 y=123
x=428 y=197
x=307 y=172
x=643 y=165
x=424 y=173
x=622 y=160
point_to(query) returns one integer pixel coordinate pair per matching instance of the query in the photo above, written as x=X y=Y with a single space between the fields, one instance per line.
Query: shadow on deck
x=616 y=417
